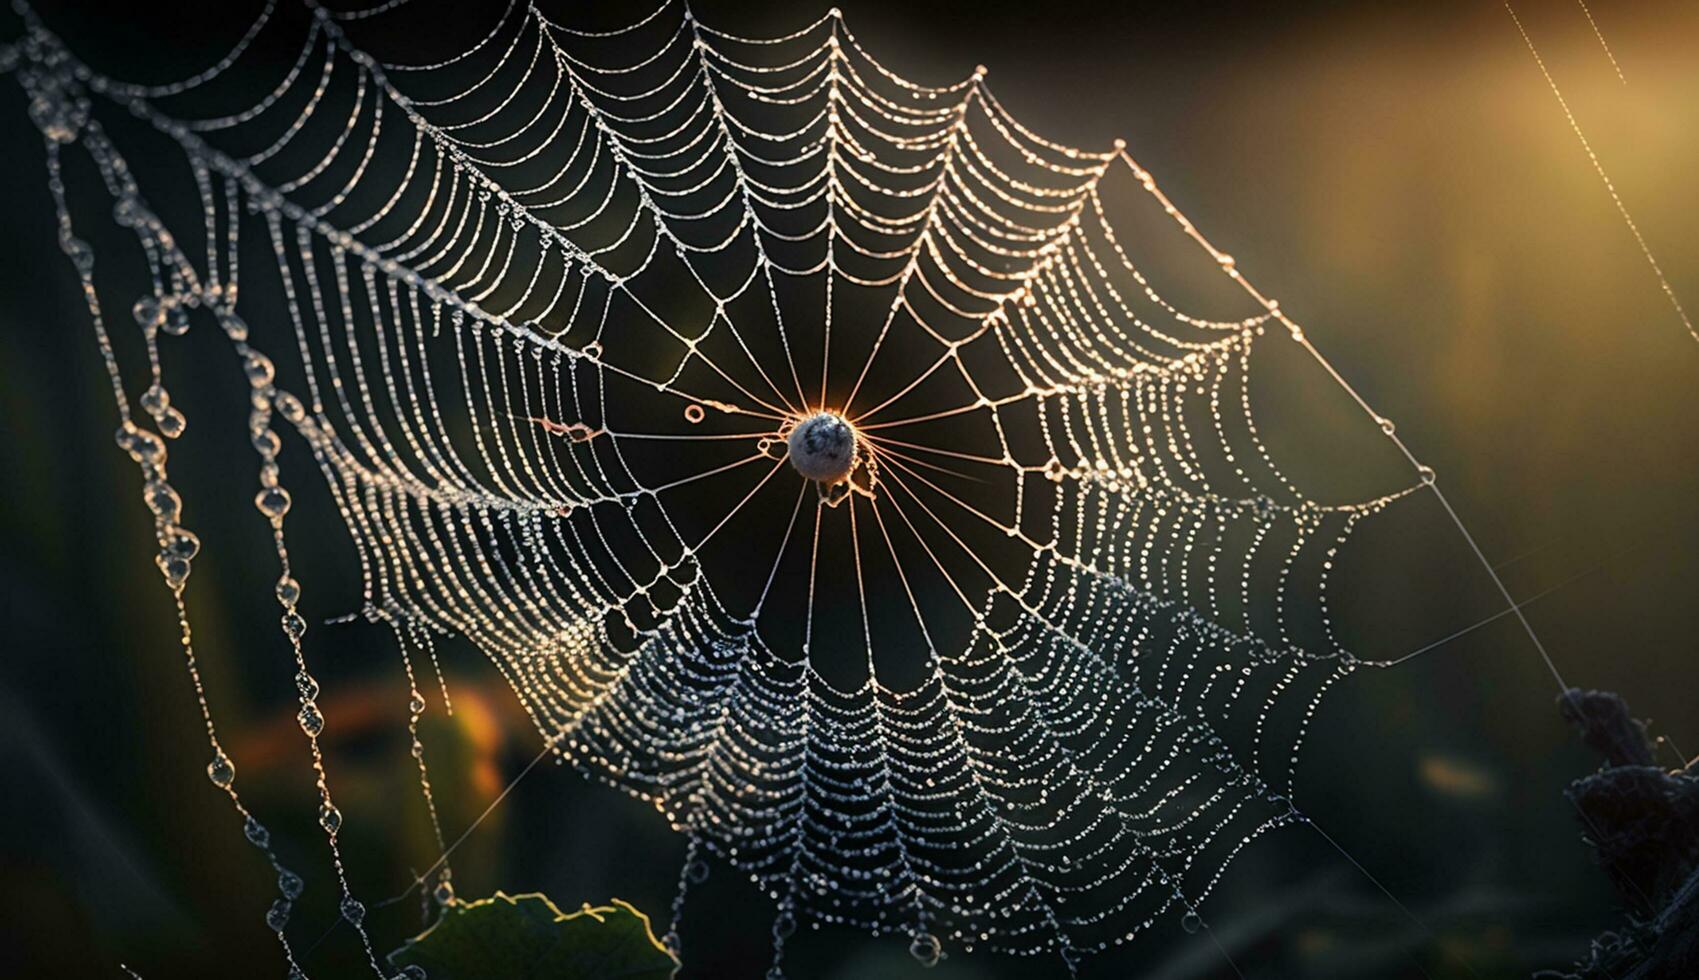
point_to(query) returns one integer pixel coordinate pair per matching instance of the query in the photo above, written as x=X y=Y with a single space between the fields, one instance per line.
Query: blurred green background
x=1399 y=176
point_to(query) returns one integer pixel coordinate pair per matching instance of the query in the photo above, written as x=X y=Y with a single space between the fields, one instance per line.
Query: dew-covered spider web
x=1017 y=670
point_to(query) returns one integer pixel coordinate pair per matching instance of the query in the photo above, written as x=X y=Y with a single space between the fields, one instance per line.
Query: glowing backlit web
x=545 y=315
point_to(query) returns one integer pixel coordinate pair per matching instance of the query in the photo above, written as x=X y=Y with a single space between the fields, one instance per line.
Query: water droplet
x=148 y=313
x=925 y=949
x=175 y=570
x=142 y=445
x=259 y=370
x=289 y=406
x=696 y=872
x=155 y=399
x=1191 y=921
x=288 y=590
x=163 y=501
x=311 y=719
x=416 y=703
x=294 y=626
x=125 y=211
x=307 y=685
x=56 y=105
x=266 y=442
x=1387 y=426
x=330 y=818
x=290 y=884
x=1427 y=475
x=235 y=326
x=784 y=926
x=443 y=892
x=277 y=917
x=176 y=321
x=273 y=502
x=353 y=909
x=221 y=770
x=171 y=423
x=179 y=542
x=255 y=832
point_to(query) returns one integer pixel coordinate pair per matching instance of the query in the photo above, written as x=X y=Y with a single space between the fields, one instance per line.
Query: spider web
x=543 y=313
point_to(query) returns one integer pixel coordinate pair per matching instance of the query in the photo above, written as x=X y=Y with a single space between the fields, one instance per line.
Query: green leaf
x=525 y=936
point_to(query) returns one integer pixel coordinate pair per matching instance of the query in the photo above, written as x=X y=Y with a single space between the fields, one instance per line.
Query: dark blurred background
x=1399 y=176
